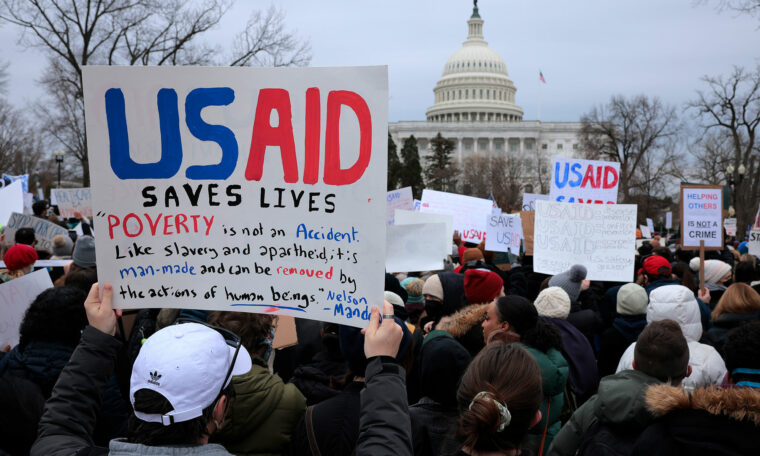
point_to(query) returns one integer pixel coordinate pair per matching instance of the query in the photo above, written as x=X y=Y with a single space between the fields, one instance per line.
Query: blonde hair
x=738 y=298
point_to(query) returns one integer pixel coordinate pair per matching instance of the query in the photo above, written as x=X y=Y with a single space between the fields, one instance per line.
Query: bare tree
x=500 y=175
x=75 y=33
x=730 y=106
x=636 y=133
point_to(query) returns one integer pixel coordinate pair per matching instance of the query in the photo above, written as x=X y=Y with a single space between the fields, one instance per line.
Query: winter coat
x=465 y=327
x=613 y=341
x=68 y=422
x=453 y=296
x=707 y=421
x=384 y=426
x=39 y=362
x=716 y=336
x=554 y=375
x=620 y=402
x=263 y=413
x=677 y=303
x=433 y=424
x=704 y=309
x=580 y=358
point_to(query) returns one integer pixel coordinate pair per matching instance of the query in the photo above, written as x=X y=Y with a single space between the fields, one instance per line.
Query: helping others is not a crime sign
x=701 y=216
x=247 y=189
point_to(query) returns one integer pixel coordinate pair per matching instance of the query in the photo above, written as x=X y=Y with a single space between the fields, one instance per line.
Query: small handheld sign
x=701 y=217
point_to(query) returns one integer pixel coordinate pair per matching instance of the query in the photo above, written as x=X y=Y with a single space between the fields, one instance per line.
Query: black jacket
x=716 y=335
x=615 y=340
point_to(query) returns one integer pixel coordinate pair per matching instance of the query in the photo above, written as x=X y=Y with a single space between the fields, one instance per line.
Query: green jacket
x=262 y=415
x=620 y=400
x=554 y=373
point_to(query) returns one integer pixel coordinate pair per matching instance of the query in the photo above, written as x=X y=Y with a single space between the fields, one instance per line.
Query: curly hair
x=56 y=315
x=252 y=328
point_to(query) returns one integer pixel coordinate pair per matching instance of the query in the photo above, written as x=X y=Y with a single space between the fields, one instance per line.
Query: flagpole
x=539 y=97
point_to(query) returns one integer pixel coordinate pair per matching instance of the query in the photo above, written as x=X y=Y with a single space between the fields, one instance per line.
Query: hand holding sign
x=100 y=313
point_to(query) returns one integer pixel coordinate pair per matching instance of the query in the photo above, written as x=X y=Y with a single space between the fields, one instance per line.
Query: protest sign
x=730 y=225
x=44 y=231
x=601 y=237
x=701 y=216
x=28 y=201
x=412 y=217
x=645 y=233
x=528 y=221
x=504 y=233
x=469 y=213
x=398 y=199
x=44 y=263
x=668 y=220
x=265 y=195
x=416 y=205
x=11 y=200
x=15 y=297
x=529 y=200
x=285 y=334
x=414 y=247
x=584 y=181
x=71 y=200
x=650 y=225
x=23 y=178
x=753 y=243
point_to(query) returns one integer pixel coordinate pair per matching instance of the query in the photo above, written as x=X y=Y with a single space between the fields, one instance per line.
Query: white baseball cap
x=187 y=364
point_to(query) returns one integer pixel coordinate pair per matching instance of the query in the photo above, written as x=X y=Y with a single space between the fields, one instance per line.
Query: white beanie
x=714 y=269
x=394 y=299
x=553 y=302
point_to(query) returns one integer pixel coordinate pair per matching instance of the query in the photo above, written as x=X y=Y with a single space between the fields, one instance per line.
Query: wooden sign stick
x=702 y=265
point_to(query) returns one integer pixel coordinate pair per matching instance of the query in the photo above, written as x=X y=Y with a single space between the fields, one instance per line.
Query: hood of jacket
x=736 y=403
x=119 y=447
x=453 y=291
x=39 y=362
x=459 y=323
x=622 y=398
x=630 y=326
x=677 y=303
x=580 y=356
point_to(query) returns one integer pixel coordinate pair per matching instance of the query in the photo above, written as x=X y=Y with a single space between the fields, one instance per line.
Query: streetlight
x=733 y=180
x=58 y=154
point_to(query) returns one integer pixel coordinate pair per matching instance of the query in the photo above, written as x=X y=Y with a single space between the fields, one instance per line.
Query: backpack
x=604 y=439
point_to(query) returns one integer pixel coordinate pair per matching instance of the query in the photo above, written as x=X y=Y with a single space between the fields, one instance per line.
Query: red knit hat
x=653 y=264
x=19 y=256
x=481 y=285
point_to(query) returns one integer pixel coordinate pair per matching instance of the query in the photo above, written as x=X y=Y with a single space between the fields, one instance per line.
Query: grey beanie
x=84 y=252
x=62 y=245
x=570 y=281
x=632 y=299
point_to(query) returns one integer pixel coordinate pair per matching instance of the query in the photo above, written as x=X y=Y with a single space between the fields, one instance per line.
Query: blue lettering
x=194 y=104
x=557 y=178
x=574 y=169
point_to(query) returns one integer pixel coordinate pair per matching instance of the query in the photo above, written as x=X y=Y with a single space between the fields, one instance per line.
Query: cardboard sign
x=504 y=233
x=44 y=231
x=701 y=216
x=398 y=199
x=753 y=243
x=730 y=225
x=285 y=334
x=15 y=297
x=469 y=213
x=528 y=222
x=414 y=247
x=584 y=181
x=668 y=220
x=412 y=217
x=601 y=237
x=248 y=189
x=71 y=200
x=23 y=178
x=650 y=225
x=529 y=200
x=645 y=233
x=11 y=200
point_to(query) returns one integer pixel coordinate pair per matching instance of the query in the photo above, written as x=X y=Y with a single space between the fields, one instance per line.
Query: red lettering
x=264 y=134
x=195 y=222
x=179 y=221
x=136 y=217
x=113 y=222
x=589 y=177
x=167 y=225
x=311 y=137
x=209 y=222
x=610 y=171
x=153 y=225
x=333 y=174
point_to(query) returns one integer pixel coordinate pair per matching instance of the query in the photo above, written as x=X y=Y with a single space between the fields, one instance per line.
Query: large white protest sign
x=601 y=237
x=529 y=200
x=469 y=213
x=398 y=199
x=414 y=247
x=44 y=231
x=15 y=297
x=701 y=216
x=668 y=220
x=730 y=225
x=584 y=181
x=413 y=218
x=23 y=178
x=504 y=233
x=249 y=189
x=753 y=243
x=71 y=200
x=11 y=200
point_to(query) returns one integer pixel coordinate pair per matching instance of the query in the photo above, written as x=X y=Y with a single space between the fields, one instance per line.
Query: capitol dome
x=475 y=84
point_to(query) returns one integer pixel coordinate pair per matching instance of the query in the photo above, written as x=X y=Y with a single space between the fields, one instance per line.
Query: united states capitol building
x=474 y=106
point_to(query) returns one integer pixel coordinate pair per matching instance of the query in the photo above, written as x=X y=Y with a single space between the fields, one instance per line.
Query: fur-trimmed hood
x=736 y=403
x=459 y=323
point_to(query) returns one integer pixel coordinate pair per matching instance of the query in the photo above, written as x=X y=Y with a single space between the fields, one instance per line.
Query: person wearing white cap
x=178 y=388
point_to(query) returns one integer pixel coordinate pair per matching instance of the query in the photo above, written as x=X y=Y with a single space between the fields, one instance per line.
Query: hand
x=77 y=215
x=704 y=295
x=428 y=327
x=6 y=349
x=585 y=284
x=382 y=339
x=100 y=314
x=457 y=238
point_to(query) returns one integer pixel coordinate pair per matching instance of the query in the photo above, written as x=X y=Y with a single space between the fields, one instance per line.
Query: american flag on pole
x=541 y=76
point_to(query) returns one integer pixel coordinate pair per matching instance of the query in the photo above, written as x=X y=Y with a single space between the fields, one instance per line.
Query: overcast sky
x=588 y=50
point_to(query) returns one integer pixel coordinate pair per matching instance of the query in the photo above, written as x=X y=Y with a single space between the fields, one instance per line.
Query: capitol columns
x=460 y=146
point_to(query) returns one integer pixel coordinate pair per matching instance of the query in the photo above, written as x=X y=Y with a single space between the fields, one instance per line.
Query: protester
x=19 y=415
x=179 y=390
x=443 y=296
x=718 y=276
x=415 y=303
x=617 y=414
x=317 y=380
x=63 y=247
x=631 y=309
x=18 y=262
x=677 y=303
x=738 y=305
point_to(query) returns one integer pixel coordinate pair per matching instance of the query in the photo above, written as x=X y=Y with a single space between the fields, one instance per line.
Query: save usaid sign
x=584 y=181
x=248 y=189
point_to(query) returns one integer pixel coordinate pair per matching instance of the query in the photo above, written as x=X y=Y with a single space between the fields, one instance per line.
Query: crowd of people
x=482 y=359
